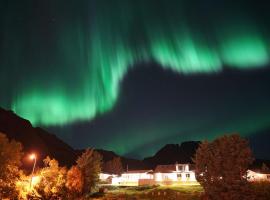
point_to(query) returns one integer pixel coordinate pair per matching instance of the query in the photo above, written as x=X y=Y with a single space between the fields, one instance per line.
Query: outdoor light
x=32 y=156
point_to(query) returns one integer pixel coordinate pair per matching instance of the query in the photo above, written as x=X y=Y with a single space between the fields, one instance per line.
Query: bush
x=10 y=162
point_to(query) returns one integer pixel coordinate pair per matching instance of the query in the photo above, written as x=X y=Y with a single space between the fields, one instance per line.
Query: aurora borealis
x=64 y=62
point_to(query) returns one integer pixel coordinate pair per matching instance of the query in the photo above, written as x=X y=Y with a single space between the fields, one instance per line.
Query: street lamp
x=33 y=157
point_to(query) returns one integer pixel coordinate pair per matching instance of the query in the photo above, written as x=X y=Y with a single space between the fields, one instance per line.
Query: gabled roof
x=138 y=171
x=260 y=171
x=165 y=168
x=171 y=168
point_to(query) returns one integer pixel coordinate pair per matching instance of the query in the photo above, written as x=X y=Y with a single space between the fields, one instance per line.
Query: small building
x=257 y=175
x=104 y=176
x=137 y=177
x=107 y=178
x=162 y=175
x=173 y=174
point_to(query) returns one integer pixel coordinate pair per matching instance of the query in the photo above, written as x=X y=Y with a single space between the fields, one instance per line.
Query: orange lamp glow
x=32 y=156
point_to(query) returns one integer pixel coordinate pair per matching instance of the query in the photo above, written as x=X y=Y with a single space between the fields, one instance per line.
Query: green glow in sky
x=69 y=66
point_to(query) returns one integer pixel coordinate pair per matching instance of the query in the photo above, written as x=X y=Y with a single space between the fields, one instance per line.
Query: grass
x=260 y=190
x=183 y=192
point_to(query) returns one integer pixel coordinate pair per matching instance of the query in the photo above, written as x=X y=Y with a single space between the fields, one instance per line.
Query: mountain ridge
x=36 y=139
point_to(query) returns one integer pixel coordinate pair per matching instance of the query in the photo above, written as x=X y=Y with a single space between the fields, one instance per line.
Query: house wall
x=136 y=176
x=103 y=176
x=117 y=181
x=254 y=176
x=181 y=175
x=159 y=177
x=173 y=177
x=133 y=179
x=146 y=182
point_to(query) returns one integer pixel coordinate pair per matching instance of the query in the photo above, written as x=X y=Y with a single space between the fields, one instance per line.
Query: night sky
x=133 y=75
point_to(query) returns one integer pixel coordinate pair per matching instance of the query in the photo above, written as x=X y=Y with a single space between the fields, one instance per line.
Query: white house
x=134 y=178
x=168 y=175
x=163 y=174
x=253 y=175
x=173 y=174
x=104 y=176
x=107 y=178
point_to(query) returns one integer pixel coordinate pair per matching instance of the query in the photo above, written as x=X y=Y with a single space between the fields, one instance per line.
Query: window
x=179 y=175
x=268 y=176
x=188 y=175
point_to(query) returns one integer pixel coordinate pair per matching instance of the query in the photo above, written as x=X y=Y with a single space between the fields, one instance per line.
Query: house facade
x=105 y=176
x=173 y=174
x=255 y=176
x=162 y=175
x=137 y=177
x=168 y=175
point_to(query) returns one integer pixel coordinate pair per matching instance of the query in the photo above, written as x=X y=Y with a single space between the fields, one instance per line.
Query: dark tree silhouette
x=89 y=164
x=74 y=182
x=114 y=166
x=221 y=167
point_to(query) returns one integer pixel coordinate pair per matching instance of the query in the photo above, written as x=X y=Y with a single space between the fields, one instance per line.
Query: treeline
x=51 y=181
x=221 y=169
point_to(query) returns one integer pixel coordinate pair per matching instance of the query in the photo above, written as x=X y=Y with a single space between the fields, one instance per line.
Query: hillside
x=34 y=139
x=44 y=143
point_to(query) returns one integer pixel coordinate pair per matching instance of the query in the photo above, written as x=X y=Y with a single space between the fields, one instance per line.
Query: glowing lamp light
x=32 y=156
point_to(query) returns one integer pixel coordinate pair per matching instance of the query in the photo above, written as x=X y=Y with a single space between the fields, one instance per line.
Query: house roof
x=260 y=171
x=171 y=168
x=138 y=171
x=165 y=168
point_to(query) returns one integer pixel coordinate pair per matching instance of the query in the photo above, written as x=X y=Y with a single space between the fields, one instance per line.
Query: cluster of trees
x=10 y=163
x=50 y=182
x=221 y=168
x=114 y=166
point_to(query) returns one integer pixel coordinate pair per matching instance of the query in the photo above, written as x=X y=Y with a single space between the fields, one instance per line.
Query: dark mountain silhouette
x=128 y=163
x=172 y=153
x=46 y=144
x=35 y=140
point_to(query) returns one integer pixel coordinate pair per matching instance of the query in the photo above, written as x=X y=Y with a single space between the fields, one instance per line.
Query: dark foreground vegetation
x=260 y=190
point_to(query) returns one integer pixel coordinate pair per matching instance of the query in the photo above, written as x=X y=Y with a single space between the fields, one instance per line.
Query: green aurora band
x=68 y=63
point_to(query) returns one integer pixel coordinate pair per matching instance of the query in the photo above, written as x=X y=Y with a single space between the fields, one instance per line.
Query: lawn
x=183 y=192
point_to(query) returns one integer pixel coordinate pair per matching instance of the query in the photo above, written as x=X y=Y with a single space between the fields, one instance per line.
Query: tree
x=74 y=182
x=114 y=166
x=89 y=164
x=53 y=178
x=221 y=167
x=10 y=161
x=265 y=168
